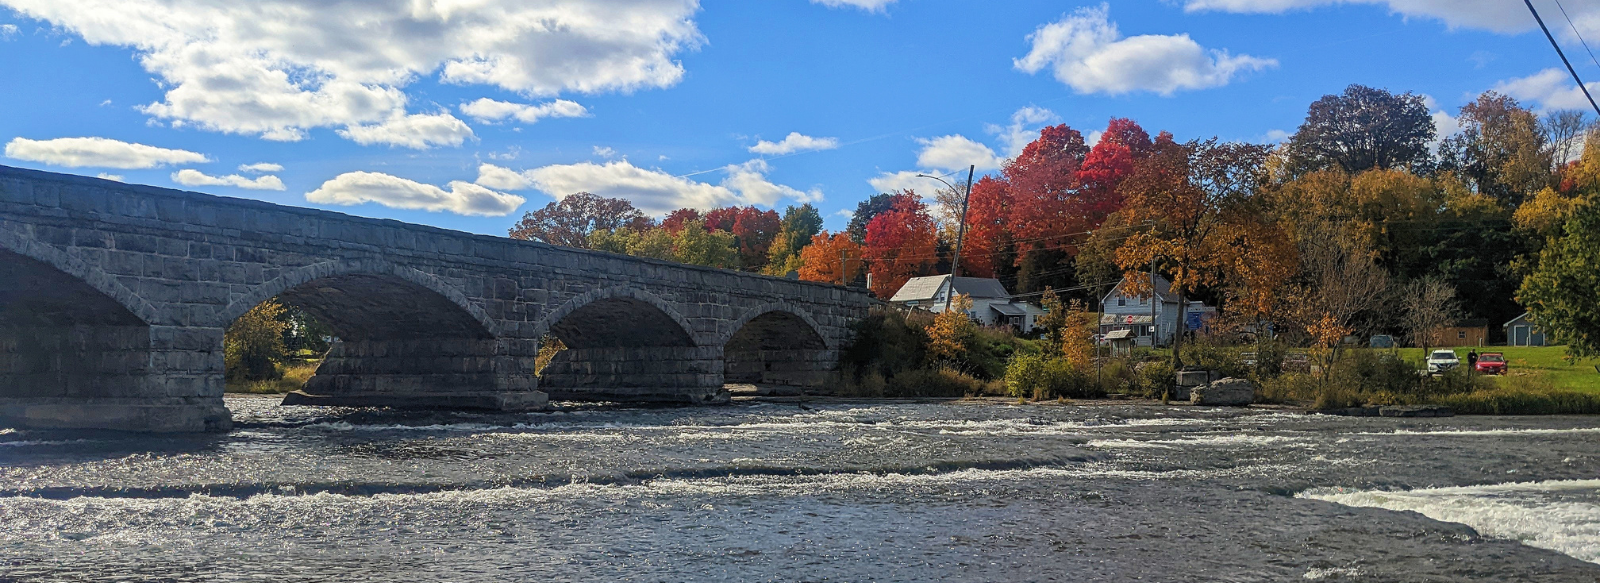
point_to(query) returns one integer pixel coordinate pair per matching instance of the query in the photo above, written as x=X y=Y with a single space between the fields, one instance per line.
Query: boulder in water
x=1228 y=392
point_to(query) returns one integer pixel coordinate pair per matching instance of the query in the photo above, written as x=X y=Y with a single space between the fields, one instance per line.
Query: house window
x=1121 y=301
x=1461 y=334
x=1143 y=301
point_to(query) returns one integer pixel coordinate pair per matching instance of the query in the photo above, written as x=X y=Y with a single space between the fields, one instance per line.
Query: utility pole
x=961 y=229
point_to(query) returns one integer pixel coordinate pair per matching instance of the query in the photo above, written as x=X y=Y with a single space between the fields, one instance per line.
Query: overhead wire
x=1576 y=33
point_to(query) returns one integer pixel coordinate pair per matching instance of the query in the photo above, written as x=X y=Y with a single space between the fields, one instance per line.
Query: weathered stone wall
x=187 y=264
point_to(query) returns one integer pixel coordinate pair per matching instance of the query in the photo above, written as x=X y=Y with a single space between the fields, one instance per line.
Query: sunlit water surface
x=831 y=491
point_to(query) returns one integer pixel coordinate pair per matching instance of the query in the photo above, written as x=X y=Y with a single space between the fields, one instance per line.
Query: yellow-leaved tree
x=951 y=332
x=253 y=345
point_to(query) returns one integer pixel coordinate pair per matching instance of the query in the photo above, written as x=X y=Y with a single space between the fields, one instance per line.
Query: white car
x=1440 y=361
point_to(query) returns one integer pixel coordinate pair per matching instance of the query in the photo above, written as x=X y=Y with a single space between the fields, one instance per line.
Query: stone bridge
x=114 y=299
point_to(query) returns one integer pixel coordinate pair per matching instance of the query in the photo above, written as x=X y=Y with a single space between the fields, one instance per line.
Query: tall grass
x=292 y=376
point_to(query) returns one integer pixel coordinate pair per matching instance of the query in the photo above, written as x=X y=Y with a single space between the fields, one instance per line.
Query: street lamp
x=961 y=232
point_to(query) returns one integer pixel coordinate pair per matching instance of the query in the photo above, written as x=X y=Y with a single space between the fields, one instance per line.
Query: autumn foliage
x=901 y=243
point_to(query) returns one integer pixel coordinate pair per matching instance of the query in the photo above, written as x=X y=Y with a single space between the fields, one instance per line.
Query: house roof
x=1163 y=289
x=925 y=288
x=1524 y=318
x=1008 y=309
x=1119 y=334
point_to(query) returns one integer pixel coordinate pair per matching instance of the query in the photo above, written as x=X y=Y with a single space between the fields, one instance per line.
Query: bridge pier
x=651 y=374
x=425 y=373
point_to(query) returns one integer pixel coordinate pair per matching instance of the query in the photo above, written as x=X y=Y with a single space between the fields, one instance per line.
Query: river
x=824 y=491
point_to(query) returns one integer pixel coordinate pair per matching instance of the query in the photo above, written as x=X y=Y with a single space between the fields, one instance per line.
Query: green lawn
x=1547 y=361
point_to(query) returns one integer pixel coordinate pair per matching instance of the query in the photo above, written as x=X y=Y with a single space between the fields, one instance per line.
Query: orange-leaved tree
x=1196 y=198
x=831 y=258
x=901 y=242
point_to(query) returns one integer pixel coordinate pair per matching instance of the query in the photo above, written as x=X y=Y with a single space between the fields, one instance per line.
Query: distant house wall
x=1460 y=336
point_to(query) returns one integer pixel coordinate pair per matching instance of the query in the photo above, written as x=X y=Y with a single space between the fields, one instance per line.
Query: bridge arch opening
x=62 y=338
x=398 y=342
x=777 y=351
x=627 y=345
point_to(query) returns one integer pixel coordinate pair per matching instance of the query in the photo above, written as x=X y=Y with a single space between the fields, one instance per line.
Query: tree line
x=1364 y=221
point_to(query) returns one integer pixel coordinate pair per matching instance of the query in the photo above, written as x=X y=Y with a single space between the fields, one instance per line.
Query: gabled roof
x=925 y=288
x=1163 y=289
x=1525 y=317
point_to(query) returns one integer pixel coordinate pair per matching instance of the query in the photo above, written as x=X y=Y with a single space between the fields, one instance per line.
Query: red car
x=1491 y=363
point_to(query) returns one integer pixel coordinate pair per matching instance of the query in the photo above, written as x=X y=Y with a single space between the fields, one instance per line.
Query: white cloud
x=1547 y=90
x=108 y=176
x=905 y=180
x=1494 y=15
x=501 y=178
x=794 y=142
x=466 y=198
x=847 y=214
x=1444 y=124
x=98 y=152
x=489 y=110
x=260 y=167
x=956 y=152
x=1093 y=138
x=1087 y=53
x=657 y=192
x=1276 y=136
x=7 y=31
x=417 y=131
x=191 y=177
x=604 y=152
x=867 y=5
x=276 y=68
x=1023 y=129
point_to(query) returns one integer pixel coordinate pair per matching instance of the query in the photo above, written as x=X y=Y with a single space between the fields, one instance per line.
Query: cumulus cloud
x=191 y=177
x=1086 y=52
x=98 y=152
x=1494 y=15
x=8 y=31
x=1547 y=90
x=276 y=68
x=260 y=167
x=501 y=178
x=1024 y=128
x=867 y=5
x=108 y=176
x=658 y=192
x=607 y=152
x=466 y=198
x=904 y=180
x=794 y=142
x=956 y=152
x=489 y=110
x=418 y=131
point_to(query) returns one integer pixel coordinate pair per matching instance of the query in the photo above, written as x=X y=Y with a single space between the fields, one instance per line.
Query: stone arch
x=777 y=345
x=770 y=307
x=94 y=278
x=300 y=276
x=621 y=296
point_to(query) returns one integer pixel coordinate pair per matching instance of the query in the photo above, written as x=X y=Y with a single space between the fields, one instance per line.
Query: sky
x=464 y=114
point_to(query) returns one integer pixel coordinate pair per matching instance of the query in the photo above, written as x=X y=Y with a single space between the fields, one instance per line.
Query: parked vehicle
x=1440 y=361
x=1247 y=358
x=1381 y=341
x=1492 y=363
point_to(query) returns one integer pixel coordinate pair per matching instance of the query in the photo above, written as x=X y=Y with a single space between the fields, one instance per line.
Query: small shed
x=1521 y=331
x=1122 y=342
x=1462 y=333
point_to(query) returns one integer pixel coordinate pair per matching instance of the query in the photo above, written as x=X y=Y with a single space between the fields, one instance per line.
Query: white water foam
x=1487 y=432
x=1560 y=515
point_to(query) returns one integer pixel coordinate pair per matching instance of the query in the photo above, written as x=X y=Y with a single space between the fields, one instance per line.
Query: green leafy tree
x=865 y=212
x=696 y=246
x=253 y=345
x=799 y=225
x=1560 y=293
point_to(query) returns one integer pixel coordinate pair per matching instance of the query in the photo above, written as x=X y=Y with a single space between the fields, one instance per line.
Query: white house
x=992 y=305
x=1123 y=310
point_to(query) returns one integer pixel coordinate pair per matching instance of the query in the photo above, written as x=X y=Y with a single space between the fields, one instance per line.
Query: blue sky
x=466 y=114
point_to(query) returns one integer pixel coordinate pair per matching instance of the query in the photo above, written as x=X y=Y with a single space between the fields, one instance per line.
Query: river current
x=820 y=491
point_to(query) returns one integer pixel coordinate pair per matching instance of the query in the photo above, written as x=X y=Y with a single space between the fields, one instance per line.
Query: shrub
x=1522 y=395
x=939 y=382
x=887 y=342
x=1156 y=378
x=1216 y=357
x=1038 y=377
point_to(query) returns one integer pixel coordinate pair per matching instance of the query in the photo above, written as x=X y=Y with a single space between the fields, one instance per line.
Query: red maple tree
x=901 y=243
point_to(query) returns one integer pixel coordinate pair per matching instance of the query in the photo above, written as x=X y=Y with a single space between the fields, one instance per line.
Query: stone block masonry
x=114 y=298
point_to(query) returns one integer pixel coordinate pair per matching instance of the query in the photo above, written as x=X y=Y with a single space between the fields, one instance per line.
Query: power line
x=1561 y=54
x=1576 y=33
